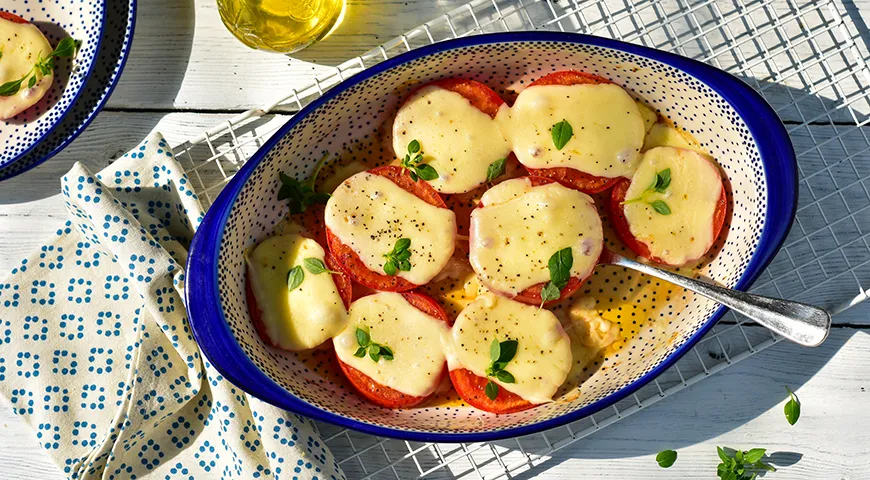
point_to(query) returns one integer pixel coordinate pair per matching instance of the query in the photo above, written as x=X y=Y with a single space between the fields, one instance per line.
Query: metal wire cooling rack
x=807 y=58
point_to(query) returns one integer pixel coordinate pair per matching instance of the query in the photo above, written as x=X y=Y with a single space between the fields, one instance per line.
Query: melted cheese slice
x=661 y=135
x=21 y=45
x=607 y=124
x=309 y=314
x=369 y=213
x=520 y=227
x=687 y=233
x=456 y=138
x=543 y=357
x=413 y=336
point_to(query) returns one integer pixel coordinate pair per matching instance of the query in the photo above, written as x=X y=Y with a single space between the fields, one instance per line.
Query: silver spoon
x=801 y=323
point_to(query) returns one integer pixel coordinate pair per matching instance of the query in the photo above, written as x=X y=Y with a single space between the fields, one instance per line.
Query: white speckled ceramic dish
x=82 y=20
x=660 y=322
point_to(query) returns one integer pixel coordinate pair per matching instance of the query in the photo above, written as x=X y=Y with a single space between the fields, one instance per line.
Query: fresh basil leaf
x=508 y=350
x=666 y=458
x=491 y=390
x=414 y=146
x=560 y=264
x=402 y=244
x=11 y=88
x=390 y=268
x=65 y=48
x=375 y=348
x=360 y=352
x=664 y=182
x=660 y=207
x=754 y=455
x=739 y=456
x=321 y=198
x=494 y=350
x=374 y=356
x=417 y=159
x=387 y=352
x=362 y=337
x=495 y=169
x=550 y=292
x=403 y=255
x=315 y=265
x=722 y=455
x=496 y=366
x=505 y=377
x=792 y=408
x=427 y=172
x=561 y=133
x=295 y=277
x=31 y=82
x=413 y=175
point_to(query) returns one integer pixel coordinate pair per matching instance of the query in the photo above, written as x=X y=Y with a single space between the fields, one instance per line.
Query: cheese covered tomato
x=543 y=350
x=21 y=46
x=393 y=231
x=394 y=343
x=301 y=317
x=679 y=220
x=522 y=223
x=457 y=139
x=600 y=123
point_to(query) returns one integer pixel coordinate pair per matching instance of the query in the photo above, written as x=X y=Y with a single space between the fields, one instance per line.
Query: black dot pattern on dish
x=655 y=318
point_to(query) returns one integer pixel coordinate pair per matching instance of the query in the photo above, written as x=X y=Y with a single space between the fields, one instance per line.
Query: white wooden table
x=187 y=73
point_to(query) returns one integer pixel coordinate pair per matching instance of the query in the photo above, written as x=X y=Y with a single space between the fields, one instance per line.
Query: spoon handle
x=801 y=323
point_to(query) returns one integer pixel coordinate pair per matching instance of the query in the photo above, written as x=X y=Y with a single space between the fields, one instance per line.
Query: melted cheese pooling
x=369 y=213
x=309 y=314
x=607 y=125
x=413 y=336
x=687 y=233
x=520 y=227
x=543 y=357
x=21 y=45
x=457 y=140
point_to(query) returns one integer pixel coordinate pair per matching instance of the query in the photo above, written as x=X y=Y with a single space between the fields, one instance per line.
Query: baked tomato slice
x=349 y=261
x=472 y=390
x=532 y=295
x=342 y=284
x=385 y=396
x=482 y=97
x=12 y=17
x=570 y=177
x=616 y=214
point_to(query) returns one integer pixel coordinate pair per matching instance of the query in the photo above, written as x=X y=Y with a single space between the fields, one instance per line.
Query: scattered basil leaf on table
x=295 y=277
x=561 y=132
x=666 y=458
x=742 y=465
x=792 y=408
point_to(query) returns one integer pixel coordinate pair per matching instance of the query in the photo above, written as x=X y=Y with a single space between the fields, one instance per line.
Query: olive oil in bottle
x=283 y=26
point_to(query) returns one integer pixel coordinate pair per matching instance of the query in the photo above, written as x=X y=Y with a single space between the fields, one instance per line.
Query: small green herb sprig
x=741 y=465
x=316 y=266
x=666 y=458
x=561 y=133
x=376 y=351
x=660 y=185
x=500 y=354
x=495 y=169
x=295 y=277
x=413 y=162
x=560 y=264
x=42 y=67
x=792 y=408
x=398 y=259
x=301 y=195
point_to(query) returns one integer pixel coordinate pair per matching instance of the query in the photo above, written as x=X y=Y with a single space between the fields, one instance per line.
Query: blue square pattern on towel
x=97 y=356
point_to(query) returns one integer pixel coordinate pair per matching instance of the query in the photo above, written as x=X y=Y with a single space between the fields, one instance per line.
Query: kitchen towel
x=97 y=356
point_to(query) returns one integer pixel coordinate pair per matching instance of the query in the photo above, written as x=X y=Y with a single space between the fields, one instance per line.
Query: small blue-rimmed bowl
x=730 y=120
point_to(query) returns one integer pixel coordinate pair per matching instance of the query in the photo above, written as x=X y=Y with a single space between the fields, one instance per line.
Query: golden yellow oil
x=282 y=26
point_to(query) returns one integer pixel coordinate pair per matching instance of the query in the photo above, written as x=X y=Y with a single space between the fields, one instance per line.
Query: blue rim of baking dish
x=75 y=98
x=211 y=328
x=113 y=82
